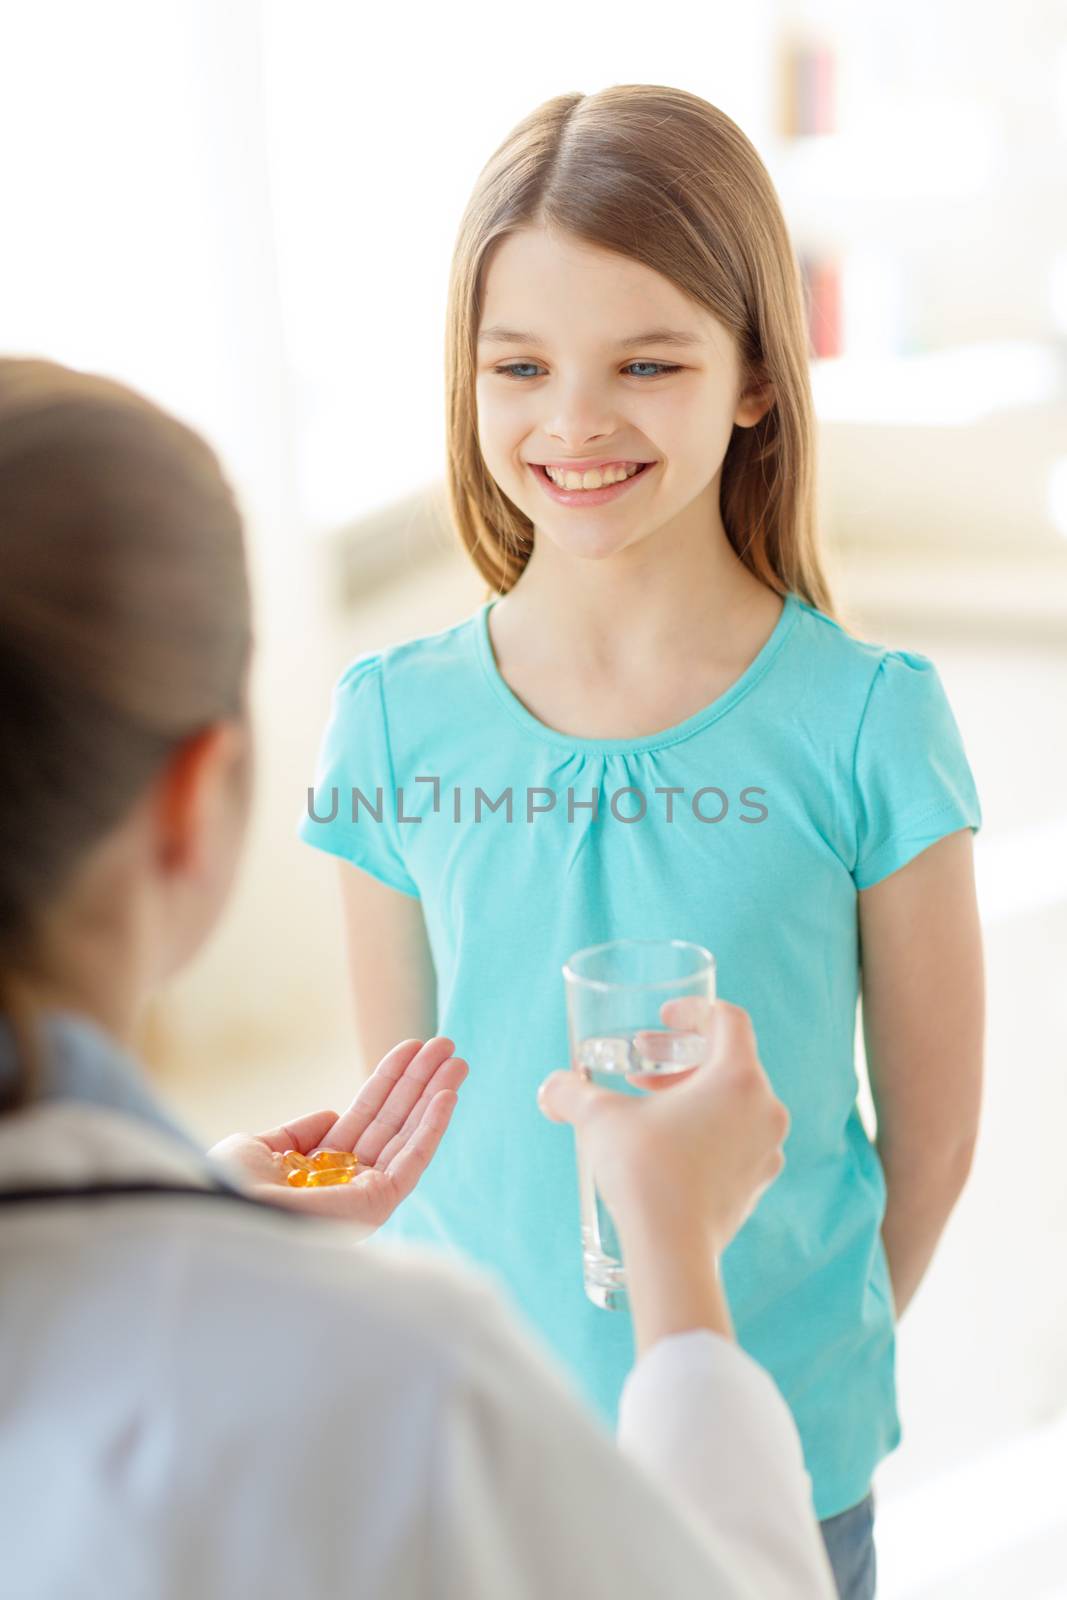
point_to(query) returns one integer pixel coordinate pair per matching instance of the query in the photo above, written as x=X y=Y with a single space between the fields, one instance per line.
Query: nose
x=580 y=417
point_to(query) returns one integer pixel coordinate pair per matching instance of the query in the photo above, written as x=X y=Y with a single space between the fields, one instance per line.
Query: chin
x=593 y=543
x=597 y=547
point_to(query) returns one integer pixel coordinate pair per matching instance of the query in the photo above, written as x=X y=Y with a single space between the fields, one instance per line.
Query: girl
x=221 y=1402
x=655 y=727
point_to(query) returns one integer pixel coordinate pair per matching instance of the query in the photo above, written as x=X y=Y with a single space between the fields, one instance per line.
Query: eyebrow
x=663 y=336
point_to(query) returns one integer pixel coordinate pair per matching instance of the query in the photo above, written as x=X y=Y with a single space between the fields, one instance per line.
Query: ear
x=185 y=790
x=756 y=400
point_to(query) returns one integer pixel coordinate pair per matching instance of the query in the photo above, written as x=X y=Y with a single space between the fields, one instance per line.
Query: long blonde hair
x=660 y=176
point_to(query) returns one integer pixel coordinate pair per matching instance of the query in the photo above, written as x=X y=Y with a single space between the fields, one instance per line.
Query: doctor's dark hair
x=664 y=178
x=125 y=629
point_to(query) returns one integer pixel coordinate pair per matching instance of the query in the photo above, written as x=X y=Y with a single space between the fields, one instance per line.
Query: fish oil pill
x=334 y=1158
x=325 y=1167
x=293 y=1158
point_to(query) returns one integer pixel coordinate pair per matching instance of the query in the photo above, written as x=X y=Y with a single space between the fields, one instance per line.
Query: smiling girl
x=705 y=753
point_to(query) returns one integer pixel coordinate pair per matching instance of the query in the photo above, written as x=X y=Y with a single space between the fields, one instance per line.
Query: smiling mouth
x=589 y=480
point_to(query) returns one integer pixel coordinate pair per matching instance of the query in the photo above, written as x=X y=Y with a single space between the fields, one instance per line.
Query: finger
x=409 y=1164
x=669 y=1055
x=400 y=1098
x=729 y=1027
x=565 y=1096
x=654 y=1082
x=302 y=1134
x=692 y=1012
x=449 y=1075
x=733 y=1025
x=391 y=1071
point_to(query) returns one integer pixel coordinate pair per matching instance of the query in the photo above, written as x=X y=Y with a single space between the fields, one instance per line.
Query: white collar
x=93 y=1118
x=70 y=1144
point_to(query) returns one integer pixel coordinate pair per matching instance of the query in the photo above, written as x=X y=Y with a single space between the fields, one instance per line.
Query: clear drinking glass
x=614 y=994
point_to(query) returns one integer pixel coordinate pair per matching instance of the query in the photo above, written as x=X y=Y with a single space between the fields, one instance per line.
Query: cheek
x=502 y=424
x=662 y=422
x=693 y=435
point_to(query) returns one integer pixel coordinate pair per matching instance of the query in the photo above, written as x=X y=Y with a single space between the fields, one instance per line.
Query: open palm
x=394 y=1125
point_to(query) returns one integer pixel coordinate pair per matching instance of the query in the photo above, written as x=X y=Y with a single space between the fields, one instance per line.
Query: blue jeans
x=849 y=1541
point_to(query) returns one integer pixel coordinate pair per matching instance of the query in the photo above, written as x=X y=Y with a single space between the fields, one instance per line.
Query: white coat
x=202 y=1397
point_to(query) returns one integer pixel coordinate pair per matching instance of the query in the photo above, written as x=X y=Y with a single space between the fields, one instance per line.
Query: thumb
x=565 y=1096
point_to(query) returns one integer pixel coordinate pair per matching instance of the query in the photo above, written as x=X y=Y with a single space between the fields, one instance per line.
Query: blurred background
x=247 y=210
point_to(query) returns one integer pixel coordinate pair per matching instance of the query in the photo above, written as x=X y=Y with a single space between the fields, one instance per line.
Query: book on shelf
x=822 y=282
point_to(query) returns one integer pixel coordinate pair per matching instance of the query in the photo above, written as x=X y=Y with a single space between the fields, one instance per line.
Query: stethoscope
x=123 y=1191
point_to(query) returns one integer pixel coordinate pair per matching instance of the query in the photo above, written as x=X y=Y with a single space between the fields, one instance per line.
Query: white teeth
x=593 y=479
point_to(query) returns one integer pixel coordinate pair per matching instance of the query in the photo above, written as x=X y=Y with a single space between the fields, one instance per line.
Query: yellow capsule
x=323 y=1159
x=330 y=1175
x=298 y=1177
x=293 y=1158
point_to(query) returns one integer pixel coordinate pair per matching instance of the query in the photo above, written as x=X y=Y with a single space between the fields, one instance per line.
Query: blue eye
x=508 y=371
x=660 y=366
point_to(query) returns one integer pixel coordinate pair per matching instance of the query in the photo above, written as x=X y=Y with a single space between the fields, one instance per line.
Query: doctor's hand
x=692 y=1156
x=680 y=1168
x=394 y=1125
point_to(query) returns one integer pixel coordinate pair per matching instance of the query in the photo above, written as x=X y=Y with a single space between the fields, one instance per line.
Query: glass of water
x=618 y=1041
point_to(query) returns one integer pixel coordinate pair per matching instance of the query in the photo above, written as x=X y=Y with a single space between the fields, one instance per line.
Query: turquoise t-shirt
x=827 y=765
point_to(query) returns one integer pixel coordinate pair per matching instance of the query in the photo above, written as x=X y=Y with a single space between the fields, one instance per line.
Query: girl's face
x=587 y=362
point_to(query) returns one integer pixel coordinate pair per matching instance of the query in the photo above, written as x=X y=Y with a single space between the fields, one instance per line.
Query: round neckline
x=652 y=741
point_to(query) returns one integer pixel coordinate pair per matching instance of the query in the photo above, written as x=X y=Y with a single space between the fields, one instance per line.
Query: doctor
x=205 y=1394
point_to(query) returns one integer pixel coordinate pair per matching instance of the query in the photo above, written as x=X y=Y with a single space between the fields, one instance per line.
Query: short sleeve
x=352 y=809
x=912 y=781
